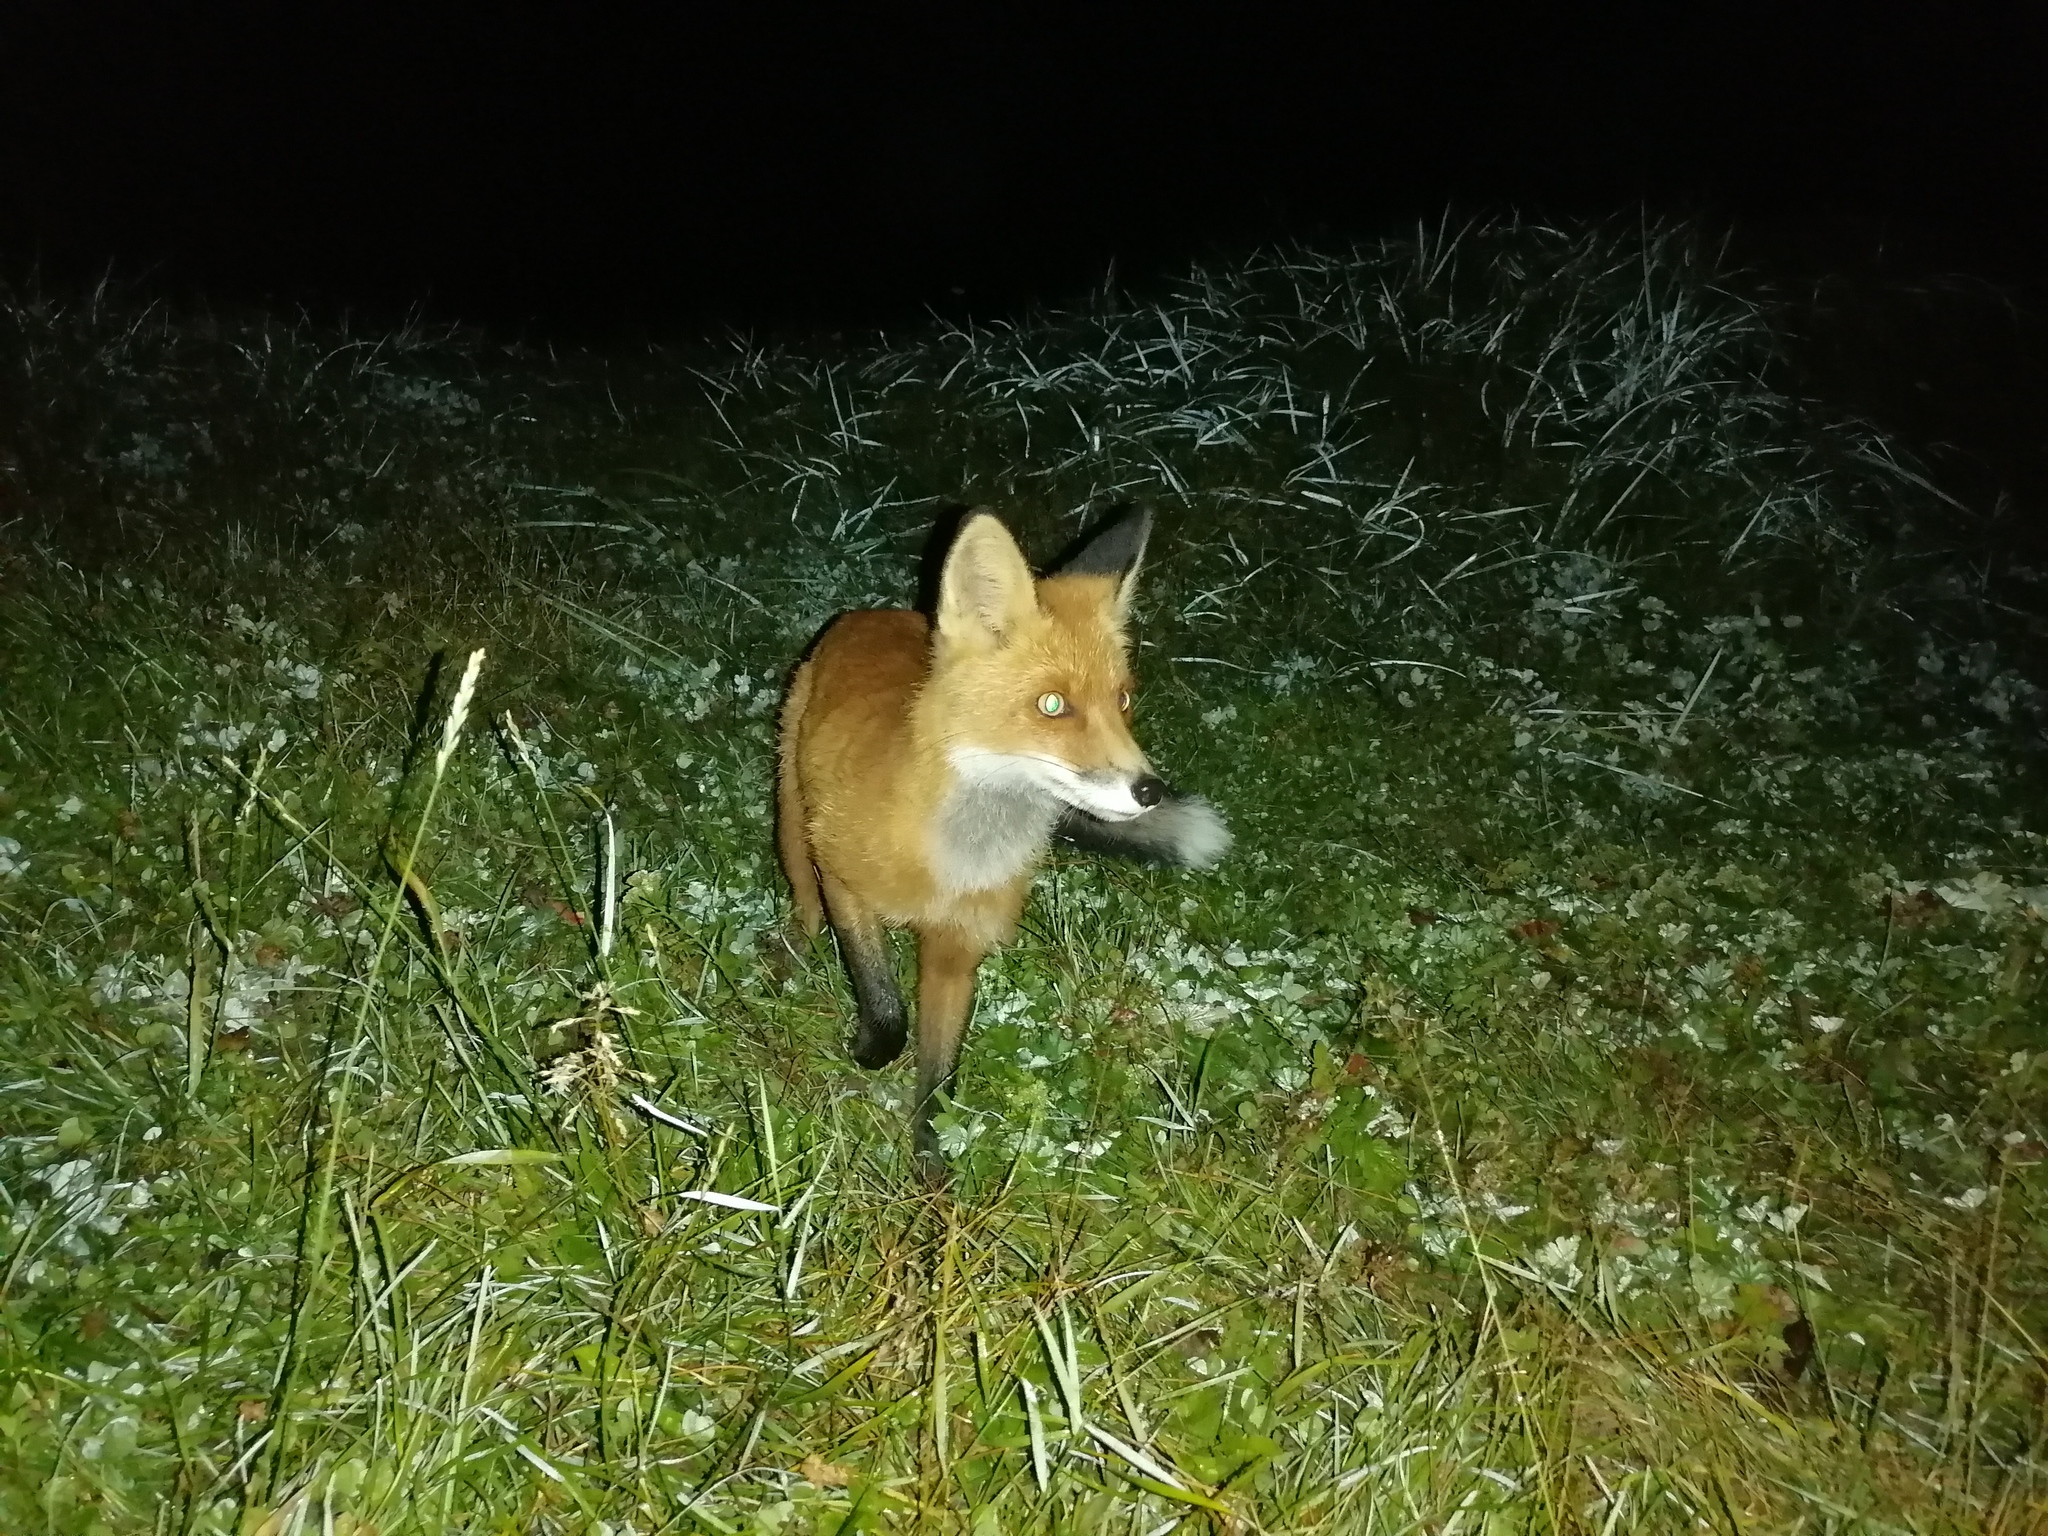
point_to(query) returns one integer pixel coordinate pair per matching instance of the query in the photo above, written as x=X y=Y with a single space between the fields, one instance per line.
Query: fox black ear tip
x=1134 y=521
x=1112 y=546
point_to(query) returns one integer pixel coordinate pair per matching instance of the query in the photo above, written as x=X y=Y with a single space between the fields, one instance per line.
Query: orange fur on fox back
x=792 y=839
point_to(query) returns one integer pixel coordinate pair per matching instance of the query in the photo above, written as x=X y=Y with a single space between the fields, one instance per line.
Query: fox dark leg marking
x=946 y=962
x=864 y=947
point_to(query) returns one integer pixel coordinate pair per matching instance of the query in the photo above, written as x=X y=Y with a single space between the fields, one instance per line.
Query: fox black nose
x=1149 y=790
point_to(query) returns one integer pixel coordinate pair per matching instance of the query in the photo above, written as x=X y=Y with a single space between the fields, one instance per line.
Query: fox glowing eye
x=1052 y=704
x=1123 y=702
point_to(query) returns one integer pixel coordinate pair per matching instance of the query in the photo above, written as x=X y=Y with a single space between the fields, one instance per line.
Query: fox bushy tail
x=792 y=841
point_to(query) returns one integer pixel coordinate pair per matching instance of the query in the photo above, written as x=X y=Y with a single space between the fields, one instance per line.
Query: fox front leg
x=946 y=962
x=864 y=946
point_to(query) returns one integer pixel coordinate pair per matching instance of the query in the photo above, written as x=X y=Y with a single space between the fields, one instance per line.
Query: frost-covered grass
x=1602 y=1092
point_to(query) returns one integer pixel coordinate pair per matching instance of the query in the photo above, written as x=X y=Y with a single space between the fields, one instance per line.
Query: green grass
x=1600 y=1093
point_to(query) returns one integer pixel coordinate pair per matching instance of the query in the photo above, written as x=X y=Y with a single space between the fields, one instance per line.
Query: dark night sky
x=845 y=165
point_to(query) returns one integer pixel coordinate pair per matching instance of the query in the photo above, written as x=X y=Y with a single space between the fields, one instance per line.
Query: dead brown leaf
x=820 y=1473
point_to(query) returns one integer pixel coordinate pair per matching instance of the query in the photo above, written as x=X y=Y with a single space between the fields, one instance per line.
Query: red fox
x=925 y=765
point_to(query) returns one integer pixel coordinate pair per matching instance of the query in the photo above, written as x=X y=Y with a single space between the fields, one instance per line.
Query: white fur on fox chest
x=994 y=823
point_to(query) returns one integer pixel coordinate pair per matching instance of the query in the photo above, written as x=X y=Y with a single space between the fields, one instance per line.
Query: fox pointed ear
x=1114 y=548
x=985 y=588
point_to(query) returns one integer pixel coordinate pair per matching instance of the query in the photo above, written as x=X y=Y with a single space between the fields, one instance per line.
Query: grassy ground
x=1601 y=1093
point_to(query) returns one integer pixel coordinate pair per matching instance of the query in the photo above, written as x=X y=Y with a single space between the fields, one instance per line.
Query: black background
x=604 y=170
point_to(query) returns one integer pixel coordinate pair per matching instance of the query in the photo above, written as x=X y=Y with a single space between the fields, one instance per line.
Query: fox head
x=1030 y=683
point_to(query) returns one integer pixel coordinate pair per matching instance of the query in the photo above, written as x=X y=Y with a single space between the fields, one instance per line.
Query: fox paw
x=878 y=1042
